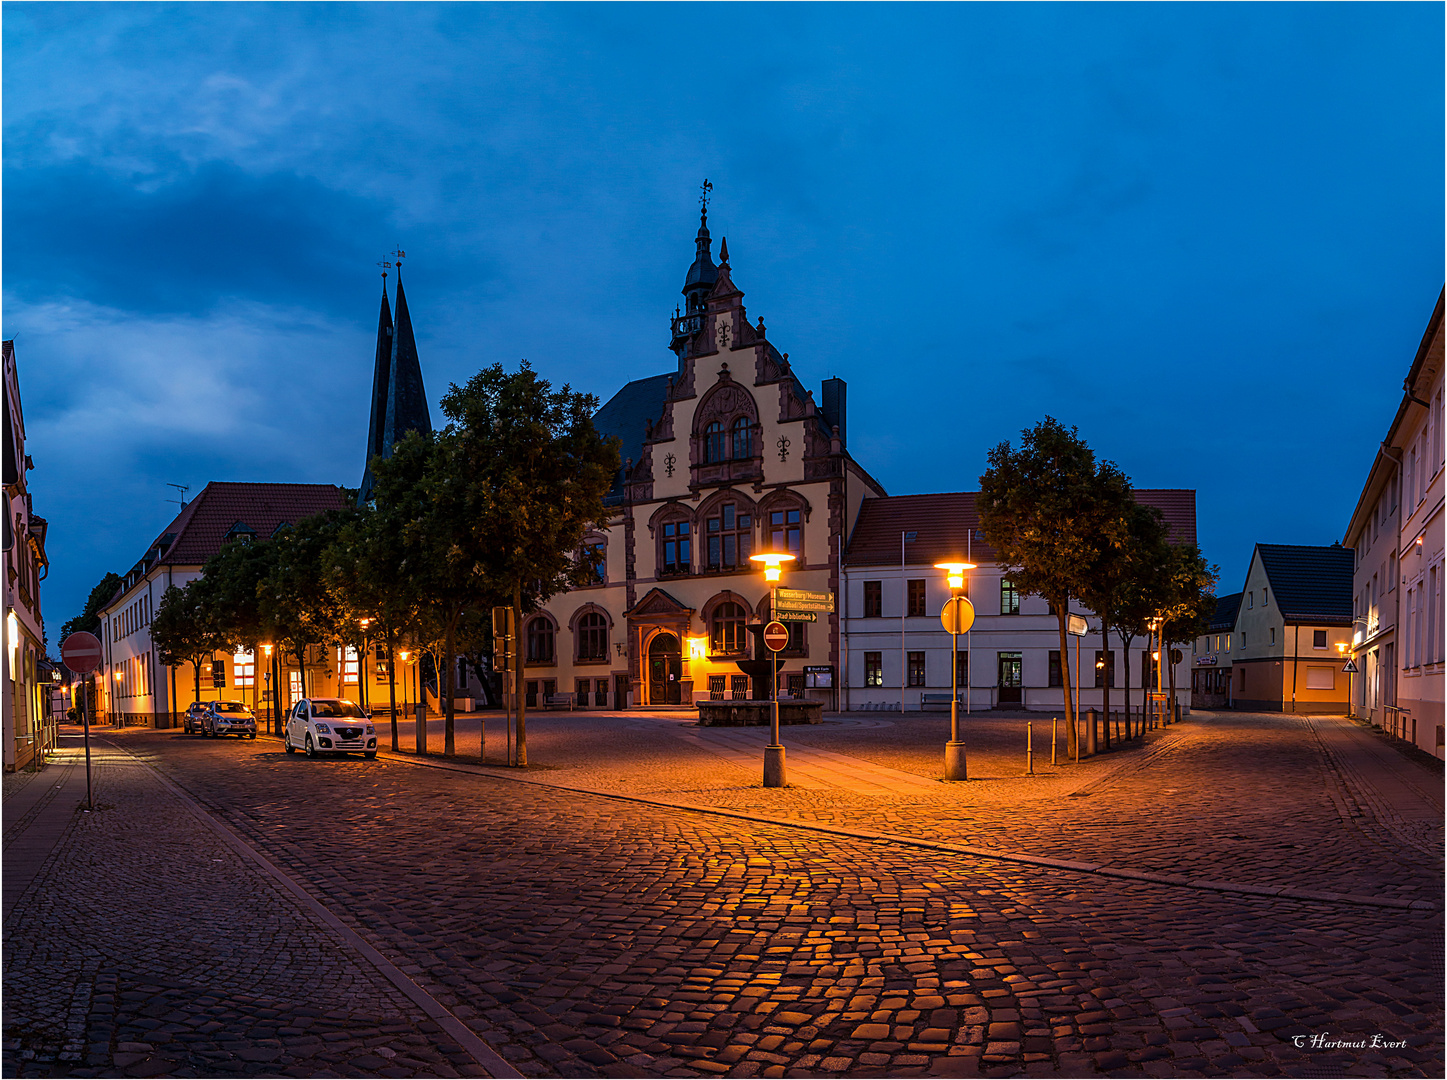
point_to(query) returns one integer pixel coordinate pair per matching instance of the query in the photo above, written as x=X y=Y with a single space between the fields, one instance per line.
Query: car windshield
x=232 y=707
x=335 y=708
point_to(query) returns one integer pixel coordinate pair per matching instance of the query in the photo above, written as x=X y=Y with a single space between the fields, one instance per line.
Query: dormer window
x=241 y=531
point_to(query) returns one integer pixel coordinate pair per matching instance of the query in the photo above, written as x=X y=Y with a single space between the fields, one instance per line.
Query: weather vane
x=385 y=267
x=399 y=255
x=703 y=198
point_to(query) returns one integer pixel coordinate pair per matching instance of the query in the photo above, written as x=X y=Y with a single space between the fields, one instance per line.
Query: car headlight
x=322 y=729
x=371 y=730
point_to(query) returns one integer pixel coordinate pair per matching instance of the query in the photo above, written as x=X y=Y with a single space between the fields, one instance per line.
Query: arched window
x=713 y=442
x=540 y=640
x=592 y=637
x=727 y=628
x=674 y=547
x=730 y=531
x=743 y=438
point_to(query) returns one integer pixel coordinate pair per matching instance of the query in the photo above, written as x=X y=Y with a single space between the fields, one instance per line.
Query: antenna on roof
x=181 y=489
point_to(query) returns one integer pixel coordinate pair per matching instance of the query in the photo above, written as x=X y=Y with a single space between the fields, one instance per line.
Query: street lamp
x=362 y=693
x=774 y=752
x=274 y=689
x=958 y=616
x=1154 y=624
x=404 y=655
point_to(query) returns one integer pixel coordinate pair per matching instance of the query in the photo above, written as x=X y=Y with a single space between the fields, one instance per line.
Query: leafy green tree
x=1050 y=510
x=185 y=630
x=234 y=578
x=89 y=619
x=1118 y=586
x=524 y=471
x=1189 y=602
x=295 y=598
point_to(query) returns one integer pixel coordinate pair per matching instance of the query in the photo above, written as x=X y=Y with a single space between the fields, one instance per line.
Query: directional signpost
x=81 y=652
x=801 y=605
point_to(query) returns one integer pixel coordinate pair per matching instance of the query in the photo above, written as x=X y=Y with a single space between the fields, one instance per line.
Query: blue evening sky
x=1210 y=236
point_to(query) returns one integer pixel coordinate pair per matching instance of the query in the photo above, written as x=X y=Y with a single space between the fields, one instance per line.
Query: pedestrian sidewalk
x=146 y=939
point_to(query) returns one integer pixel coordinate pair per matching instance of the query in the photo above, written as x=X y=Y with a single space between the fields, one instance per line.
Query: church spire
x=399 y=400
x=702 y=274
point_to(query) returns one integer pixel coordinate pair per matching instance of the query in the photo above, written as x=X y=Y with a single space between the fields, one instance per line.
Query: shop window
x=244 y=667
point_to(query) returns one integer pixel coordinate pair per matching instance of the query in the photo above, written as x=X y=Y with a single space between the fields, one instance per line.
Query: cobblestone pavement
x=145 y=946
x=582 y=935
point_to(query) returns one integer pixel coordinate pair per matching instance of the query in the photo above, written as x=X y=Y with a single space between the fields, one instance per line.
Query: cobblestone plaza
x=1237 y=894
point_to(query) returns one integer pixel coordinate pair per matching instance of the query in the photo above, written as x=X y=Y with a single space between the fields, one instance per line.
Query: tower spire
x=399 y=399
x=702 y=274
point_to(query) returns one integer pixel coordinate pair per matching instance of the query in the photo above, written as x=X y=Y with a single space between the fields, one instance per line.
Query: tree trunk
x=278 y=728
x=196 y=667
x=1072 y=748
x=518 y=696
x=1105 y=673
x=301 y=664
x=420 y=728
x=449 y=745
x=1166 y=659
x=392 y=685
x=1125 y=656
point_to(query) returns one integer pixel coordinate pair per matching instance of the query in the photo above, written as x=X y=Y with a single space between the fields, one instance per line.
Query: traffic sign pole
x=81 y=653
x=776 y=637
x=958 y=616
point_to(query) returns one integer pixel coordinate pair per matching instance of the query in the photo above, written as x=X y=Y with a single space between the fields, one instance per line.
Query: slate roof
x=399 y=401
x=1226 y=608
x=627 y=415
x=1310 y=584
x=943 y=522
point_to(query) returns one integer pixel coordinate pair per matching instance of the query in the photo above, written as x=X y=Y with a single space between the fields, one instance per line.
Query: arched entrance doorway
x=665 y=669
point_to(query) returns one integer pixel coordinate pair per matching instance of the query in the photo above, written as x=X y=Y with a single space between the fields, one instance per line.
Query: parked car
x=191 y=722
x=329 y=726
x=228 y=718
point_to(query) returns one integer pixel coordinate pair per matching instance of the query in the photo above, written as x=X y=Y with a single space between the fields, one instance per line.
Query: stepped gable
x=1310 y=584
x=943 y=522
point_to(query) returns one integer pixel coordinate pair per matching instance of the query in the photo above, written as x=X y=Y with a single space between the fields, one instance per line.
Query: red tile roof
x=943 y=522
x=200 y=529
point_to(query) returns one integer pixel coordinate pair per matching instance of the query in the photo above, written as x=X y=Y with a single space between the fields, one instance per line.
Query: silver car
x=228 y=718
x=330 y=726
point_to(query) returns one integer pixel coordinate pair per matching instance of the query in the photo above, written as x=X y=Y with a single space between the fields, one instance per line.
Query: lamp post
x=404 y=654
x=774 y=752
x=362 y=667
x=270 y=693
x=1154 y=626
x=957 y=617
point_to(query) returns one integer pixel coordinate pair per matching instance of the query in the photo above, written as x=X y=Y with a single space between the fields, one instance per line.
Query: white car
x=330 y=726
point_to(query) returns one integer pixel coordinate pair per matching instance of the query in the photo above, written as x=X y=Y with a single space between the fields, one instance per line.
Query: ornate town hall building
x=726 y=455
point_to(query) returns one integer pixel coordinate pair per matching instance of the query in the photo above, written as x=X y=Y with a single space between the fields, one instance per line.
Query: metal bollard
x=1054 y=724
x=1091 y=734
x=1029 y=749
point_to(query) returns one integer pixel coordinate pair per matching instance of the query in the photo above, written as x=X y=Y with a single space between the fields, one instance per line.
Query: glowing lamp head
x=405 y=655
x=266 y=649
x=773 y=562
x=120 y=676
x=365 y=621
x=955 y=572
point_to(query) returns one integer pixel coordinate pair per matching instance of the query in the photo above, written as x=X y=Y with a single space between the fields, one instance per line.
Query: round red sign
x=776 y=635
x=81 y=652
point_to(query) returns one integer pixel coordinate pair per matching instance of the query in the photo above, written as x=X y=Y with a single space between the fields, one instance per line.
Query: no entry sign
x=81 y=652
x=776 y=635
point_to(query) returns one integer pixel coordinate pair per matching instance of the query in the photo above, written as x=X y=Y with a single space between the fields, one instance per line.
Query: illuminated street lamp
x=404 y=655
x=958 y=616
x=275 y=688
x=362 y=690
x=1155 y=624
x=774 y=752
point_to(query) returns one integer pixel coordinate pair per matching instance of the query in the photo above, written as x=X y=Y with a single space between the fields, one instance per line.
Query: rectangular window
x=739 y=687
x=784 y=532
x=1434 y=595
x=218 y=674
x=916 y=669
x=1054 y=668
x=593 y=559
x=1263 y=598
x=1009 y=597
x=1417 y=658
x=293 y=684
x=962 y=669
x=1318 y=639
x=1320 y=678
x=244 y=666
x=349 y=666
x=873 y=669
x=1273 y=635
x=1250 y=599
x=1407 y=625
x=916 y=598
x=581 y=688
x=873 y=599
x=1104 y=668
x=716 y=687
x=675 y=547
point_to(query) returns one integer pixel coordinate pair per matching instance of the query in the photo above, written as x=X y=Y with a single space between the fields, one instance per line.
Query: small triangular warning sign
x=1350 y=667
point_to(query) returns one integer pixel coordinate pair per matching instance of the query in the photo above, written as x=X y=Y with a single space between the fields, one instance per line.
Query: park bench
x=929 y=700
x=560 y=701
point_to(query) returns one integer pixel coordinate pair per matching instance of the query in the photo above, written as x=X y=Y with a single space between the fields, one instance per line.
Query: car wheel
x=311 y=750
x=252 y=735
x=370 y=755
x=286 y=743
